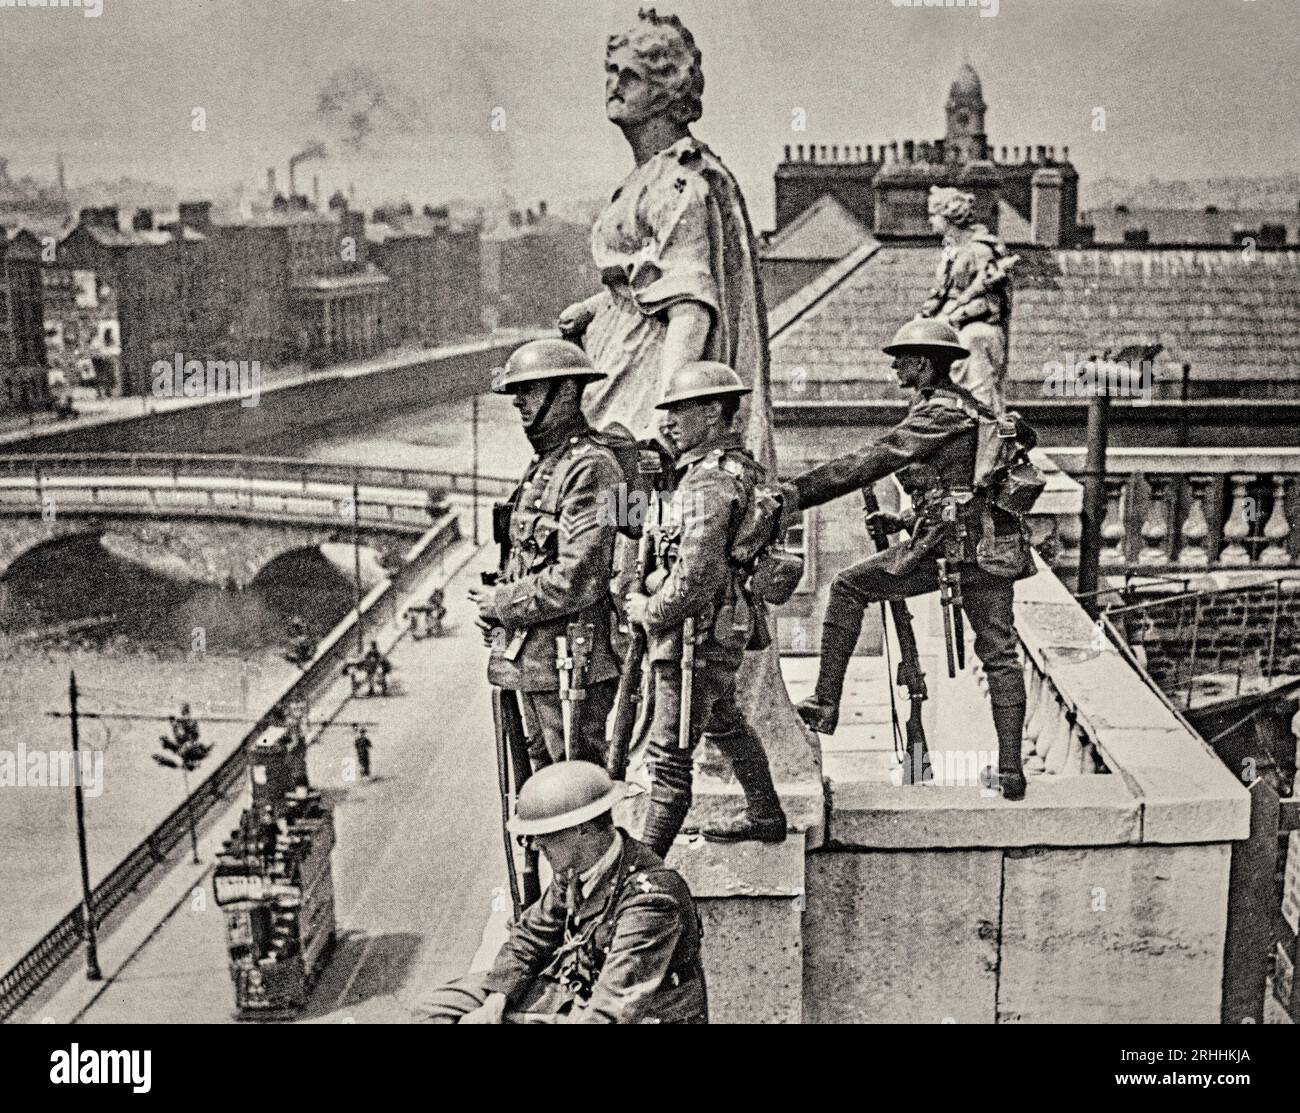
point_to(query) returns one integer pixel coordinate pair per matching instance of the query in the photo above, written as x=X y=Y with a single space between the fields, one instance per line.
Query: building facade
x=23 y=377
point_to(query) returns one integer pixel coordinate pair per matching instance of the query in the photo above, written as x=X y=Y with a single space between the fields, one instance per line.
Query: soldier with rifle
x=557 y=553
x=699 y=613
x=962 y=542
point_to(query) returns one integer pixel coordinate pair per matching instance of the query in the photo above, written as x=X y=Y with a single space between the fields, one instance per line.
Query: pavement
x=418 y=867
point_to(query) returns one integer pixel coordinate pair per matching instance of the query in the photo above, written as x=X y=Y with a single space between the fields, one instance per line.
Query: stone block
x=1113 y=935
x=901 y=938
x=751 y=899
x=1187 y=794
x=1065 y=811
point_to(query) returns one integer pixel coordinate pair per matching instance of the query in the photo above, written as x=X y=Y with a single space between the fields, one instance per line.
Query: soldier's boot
x=763 y=819
x=821 y=710
x=1010 y=724
x=663 y=820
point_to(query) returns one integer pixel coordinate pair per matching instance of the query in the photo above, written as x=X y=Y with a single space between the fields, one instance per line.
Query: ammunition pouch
x=776 y=576
x=1005 y=555
x=501 y=512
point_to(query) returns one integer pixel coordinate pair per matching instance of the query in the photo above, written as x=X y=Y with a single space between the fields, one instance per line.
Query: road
x=417 y=866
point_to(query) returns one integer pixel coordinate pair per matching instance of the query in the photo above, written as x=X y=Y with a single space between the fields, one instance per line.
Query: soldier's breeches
x=544 y=721
x=713 y=708
x=987 y=602
x=448 y=1003
x=840 y=630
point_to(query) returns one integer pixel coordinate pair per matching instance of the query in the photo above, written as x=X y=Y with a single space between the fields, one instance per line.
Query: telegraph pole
x=88 y=913
x=474 y=466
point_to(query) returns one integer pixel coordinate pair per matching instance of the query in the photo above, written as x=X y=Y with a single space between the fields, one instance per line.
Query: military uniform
x=695 y=544
x=623 y=950
x=933 y=451
x=561 y=551
x=982 y=321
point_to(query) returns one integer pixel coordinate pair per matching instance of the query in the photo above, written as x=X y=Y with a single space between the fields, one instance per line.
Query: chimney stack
x=1045 y=207
x=315 y=191
x=787 y=152
x=1042 y=155
x=870 y=153
x=196 y=215
x=270 y=180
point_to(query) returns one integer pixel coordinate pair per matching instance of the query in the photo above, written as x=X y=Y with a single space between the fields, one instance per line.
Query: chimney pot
x=142 y=221
x=812 y=153
x=1042 y=154
x=1045 y=207
x=1004 y=155
x=787 y=152
x=835 y=153
x=270 y=180
x=870 y=153
x=893 y=150
x=1015 y=154
x=857 y=153
x=1065 y=154
x=909 y=150
x=799 y=150
x=1051 y=155
x=824 y=152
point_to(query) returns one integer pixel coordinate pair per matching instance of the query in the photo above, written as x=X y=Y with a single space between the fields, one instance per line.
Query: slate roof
x=1231 y=317
x=824 y=230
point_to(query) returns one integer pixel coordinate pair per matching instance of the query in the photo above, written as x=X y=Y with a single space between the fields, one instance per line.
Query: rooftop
x=1231 y=316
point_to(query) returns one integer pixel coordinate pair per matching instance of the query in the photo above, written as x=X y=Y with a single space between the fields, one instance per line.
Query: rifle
x=513 y=769
x=954 y=628
x=627 y=702
x=688 y=684
x=916 y=765
x=571 y=654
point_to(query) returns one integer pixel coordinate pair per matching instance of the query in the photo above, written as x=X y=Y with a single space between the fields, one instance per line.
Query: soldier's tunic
x=982 y=322
x=715 y=487
x=933 y=451
x=624 y=948
x=558 y=571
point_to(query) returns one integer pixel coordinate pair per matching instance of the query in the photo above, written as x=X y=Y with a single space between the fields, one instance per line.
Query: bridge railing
x=282 y=469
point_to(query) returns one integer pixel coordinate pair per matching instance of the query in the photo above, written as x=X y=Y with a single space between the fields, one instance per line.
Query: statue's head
x=949 y=207
x=653 y=70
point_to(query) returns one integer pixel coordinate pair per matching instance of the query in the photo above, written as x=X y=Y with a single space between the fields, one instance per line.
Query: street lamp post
x=88 y=912
x=356 y=559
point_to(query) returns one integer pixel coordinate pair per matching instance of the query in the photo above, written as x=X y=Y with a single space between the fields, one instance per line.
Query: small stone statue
x=972 y=293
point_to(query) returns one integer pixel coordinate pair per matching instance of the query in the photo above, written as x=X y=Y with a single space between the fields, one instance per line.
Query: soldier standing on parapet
x=972 y=293
x=557 y=554
x=700 y=589
x=933 y=451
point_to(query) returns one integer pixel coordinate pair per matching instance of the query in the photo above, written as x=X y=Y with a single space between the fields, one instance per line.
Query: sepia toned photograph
x=746 y=512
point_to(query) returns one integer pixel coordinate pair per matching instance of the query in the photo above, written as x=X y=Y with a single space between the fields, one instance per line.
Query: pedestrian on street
x=362 y=744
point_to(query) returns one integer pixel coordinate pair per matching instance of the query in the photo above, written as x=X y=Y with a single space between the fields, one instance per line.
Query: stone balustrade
x=1192 y=510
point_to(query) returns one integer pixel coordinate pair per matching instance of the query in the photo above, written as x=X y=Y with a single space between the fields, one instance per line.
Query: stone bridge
x=210 y=519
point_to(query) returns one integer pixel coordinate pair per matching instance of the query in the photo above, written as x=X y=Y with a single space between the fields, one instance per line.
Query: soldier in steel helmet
x=701 y=583
x=615 y=939
x=933 y=451
x=558 y=551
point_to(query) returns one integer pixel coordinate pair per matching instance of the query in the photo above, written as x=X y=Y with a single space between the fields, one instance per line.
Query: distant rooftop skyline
x=404 y=93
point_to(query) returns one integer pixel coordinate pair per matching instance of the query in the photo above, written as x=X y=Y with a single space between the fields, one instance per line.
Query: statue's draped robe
x=677 y=230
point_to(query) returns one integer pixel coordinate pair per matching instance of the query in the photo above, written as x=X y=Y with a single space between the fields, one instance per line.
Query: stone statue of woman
x=674 y=247
x=675 y=252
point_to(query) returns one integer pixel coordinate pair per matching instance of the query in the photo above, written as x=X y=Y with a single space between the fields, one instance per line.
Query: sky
x=1190 y=88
